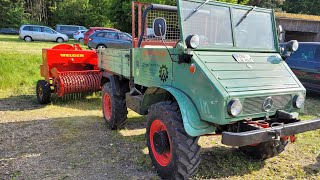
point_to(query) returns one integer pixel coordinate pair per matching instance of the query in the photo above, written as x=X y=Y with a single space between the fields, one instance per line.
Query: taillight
x=78 y=32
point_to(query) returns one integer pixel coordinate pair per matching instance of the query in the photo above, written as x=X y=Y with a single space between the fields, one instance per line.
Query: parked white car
x=41 y=33
x=79 y=35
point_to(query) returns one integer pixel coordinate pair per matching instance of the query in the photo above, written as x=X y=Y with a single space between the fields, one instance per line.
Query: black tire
x=60 y=40
x=27 y=38
x=43 y=92
x=81 y=40
x=265 y=150
x=114 y=108
x=184 y=150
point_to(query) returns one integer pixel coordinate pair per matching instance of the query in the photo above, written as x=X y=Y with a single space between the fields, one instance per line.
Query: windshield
x=214 y=21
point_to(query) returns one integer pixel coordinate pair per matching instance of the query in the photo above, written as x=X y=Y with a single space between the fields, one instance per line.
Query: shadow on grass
x=79 y=147
x=19 y=103
x=225 y=162
x=313 y=168
x=80 y=102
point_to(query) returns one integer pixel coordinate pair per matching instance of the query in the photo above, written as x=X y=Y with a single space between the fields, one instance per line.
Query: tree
x=11 y=13
x=272 y=4
x=119 y=12
x=302 y=7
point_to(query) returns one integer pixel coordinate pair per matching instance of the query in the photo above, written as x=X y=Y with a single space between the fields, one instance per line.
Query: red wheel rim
x=164 y=158
x=107 y=106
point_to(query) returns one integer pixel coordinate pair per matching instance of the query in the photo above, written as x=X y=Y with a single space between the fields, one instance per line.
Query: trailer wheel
x=174 y=154
x=265 y=150
x=114 y=108
x=43 y=92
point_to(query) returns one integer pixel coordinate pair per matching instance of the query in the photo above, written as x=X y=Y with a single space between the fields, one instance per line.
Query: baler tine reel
x=69 y=72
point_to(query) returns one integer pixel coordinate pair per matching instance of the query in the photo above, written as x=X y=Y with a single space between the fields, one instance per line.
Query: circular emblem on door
x=267 y=104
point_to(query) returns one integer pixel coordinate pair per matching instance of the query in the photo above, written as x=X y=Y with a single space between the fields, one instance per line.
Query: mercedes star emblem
x=267 y=104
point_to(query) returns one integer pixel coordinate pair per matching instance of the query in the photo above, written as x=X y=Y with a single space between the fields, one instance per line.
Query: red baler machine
x=67 y=69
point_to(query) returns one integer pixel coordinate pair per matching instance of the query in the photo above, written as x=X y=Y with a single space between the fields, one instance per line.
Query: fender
x=192 y=122
x=113 y=80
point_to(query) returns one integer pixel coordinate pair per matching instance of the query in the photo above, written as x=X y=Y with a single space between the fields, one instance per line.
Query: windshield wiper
x=245 y=15
x=197 y=9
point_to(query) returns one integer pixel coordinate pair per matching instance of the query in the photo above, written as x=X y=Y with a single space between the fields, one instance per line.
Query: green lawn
x=67 y=139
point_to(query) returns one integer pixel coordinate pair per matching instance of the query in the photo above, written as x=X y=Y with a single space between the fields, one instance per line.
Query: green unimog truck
x=203 y=67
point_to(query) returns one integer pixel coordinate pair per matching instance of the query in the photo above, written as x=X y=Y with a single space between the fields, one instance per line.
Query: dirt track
x=39 y=146
x=69 y=140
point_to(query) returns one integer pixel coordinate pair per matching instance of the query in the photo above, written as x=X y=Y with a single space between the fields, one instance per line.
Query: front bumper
x=268 y=134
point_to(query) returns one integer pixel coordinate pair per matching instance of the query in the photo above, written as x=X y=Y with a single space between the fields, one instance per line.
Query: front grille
x=254 y=105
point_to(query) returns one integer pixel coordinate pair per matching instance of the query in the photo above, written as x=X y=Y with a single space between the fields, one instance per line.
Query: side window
x=82 y=28
x=47 y=30
x=304 y=53
x=317 y=55
x=36 y=29
x=124 y=37
x=111 y=35
x=27 y=28
x=74 y=28
x=100 y=34
x=63 y=28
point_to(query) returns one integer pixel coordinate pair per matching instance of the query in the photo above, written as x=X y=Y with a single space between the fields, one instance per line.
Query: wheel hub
x=161 y=142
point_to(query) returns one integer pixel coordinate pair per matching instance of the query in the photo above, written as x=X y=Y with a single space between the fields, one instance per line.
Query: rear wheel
x=28 y=39
x=265 y=150
x=113 y=107
x=60 y=40
x=81 y=40
x=43 y=92
x=174 y=154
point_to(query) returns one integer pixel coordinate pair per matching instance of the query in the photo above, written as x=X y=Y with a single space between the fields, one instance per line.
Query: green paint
x=203 y=96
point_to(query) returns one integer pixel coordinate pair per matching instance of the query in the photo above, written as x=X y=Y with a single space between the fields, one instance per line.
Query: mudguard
x=192 y=122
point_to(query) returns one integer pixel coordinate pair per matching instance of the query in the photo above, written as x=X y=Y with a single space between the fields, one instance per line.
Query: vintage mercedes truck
x=203 y=67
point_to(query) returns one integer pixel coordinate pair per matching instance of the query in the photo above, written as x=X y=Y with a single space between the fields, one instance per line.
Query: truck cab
x=209 y=68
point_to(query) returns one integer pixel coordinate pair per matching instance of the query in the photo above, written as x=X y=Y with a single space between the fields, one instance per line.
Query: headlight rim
x=189 y=42
x=295 y=100
x=229 y=107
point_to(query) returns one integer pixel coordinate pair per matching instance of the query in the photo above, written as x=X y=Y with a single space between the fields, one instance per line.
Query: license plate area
x=242 y=58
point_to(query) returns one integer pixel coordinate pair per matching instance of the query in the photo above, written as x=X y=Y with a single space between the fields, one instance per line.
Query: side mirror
x=280 y=34
x=160 y=27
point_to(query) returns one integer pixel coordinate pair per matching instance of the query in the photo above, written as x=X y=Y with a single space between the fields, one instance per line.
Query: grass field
x=68 y=139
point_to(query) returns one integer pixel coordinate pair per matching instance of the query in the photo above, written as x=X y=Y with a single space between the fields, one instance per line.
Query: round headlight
x=193 y=41
x=298 y=101
x=234 y=107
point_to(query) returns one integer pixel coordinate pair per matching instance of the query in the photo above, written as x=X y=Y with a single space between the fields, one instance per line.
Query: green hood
x=268 y=73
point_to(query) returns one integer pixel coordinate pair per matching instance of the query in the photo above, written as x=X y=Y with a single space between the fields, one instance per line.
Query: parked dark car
x=69 y=30
x=110 y=39
x=94 y=29
x=305 y=63
x=9 y=31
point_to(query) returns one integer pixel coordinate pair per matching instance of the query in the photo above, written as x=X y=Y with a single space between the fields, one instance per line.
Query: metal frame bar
x=268 y=134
